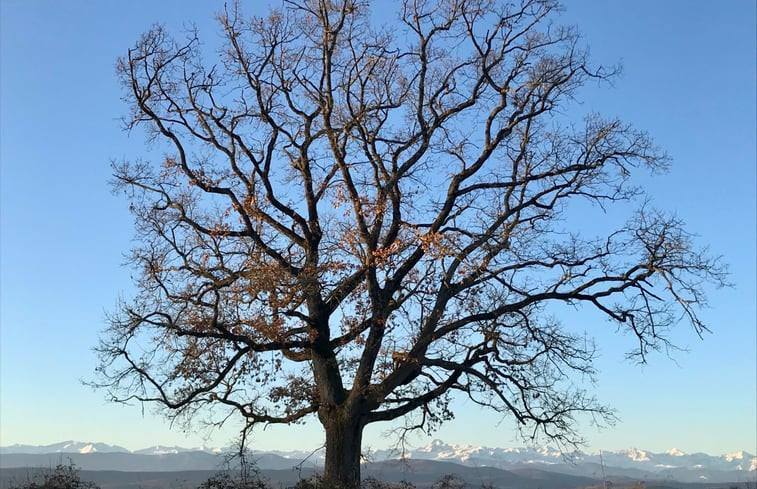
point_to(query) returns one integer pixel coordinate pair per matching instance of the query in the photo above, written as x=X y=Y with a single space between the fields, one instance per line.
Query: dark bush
x=61 y=477
x=226 y=481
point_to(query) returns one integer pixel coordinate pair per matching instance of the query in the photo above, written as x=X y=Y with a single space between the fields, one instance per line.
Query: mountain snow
x=69 y=446
x=638 y=455
x=672 y=463
x=88 y=448
x=163 y=450
x=735 y=456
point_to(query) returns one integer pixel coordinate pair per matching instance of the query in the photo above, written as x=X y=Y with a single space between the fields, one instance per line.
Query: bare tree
x=60 y=477
x=354 y=221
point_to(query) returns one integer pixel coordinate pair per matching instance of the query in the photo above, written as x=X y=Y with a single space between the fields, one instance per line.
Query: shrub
x=61 y=477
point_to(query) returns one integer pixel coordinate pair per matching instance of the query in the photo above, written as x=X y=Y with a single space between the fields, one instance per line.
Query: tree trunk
x=344 y=434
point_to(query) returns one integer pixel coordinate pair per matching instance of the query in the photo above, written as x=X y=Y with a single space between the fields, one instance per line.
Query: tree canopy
x=354 y=220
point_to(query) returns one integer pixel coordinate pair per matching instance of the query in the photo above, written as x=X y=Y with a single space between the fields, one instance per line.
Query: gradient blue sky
x=689 y=79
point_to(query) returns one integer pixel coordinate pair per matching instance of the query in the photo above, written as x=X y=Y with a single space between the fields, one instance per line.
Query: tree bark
x=344 y=433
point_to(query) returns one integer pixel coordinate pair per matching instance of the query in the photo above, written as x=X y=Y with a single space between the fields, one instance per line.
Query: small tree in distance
x=354 y=221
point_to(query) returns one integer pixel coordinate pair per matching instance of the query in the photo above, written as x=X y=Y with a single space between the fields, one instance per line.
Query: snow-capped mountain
x=672 y=464
x=164 y=450
x=80 y=447
x=64 y=447
x=632 y=458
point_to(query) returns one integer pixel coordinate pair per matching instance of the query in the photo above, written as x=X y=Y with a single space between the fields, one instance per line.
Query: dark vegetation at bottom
x=68 y=477
x=249 y=477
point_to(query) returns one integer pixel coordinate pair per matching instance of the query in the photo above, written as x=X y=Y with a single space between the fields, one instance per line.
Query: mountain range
x=633 y=464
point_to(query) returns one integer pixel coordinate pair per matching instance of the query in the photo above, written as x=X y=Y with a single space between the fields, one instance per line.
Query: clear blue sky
x=689 y=79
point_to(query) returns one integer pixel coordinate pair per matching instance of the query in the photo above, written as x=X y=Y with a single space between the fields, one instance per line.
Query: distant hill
x=119 y=461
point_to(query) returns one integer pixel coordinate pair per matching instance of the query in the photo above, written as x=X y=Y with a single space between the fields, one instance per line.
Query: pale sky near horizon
x=688 y=79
